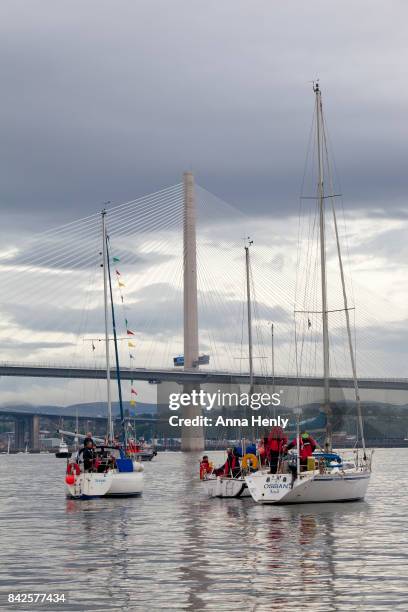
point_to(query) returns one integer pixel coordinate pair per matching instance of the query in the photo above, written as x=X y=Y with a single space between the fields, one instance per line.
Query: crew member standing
x=88 y=456
x=306 y=448
x=276 y=444
x=231 y=467
x=88 y=438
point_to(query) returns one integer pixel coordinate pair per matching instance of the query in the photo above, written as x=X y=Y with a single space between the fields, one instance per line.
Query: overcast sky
x=112 y=100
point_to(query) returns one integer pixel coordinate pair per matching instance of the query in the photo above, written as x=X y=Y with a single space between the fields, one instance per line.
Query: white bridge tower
x=192 y=438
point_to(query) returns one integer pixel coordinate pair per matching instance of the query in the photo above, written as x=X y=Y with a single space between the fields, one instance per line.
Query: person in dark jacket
x=88 y=456
x=88 y=438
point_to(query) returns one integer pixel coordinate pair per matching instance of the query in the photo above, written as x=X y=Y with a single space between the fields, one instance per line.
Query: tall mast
x=105 y=303
x=115 y=342
x=76 y=428
x=326 y=354
x=248 y=285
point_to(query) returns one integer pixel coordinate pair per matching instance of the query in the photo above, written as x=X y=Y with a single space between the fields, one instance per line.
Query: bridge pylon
x=192 y=438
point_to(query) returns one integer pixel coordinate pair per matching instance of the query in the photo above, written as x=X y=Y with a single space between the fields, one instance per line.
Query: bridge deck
x=179 y=376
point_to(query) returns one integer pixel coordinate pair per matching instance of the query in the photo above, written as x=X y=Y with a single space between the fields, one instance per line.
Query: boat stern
x=269 y=488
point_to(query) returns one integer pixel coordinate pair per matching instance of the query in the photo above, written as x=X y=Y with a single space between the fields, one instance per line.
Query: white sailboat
x=225 y=486
x=229 y=485
x=328 y=481
x=113 y=473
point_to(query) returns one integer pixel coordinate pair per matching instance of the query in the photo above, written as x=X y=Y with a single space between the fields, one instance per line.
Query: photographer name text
x=204 y=421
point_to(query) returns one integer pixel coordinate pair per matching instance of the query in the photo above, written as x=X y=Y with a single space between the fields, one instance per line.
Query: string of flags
x=129 y=331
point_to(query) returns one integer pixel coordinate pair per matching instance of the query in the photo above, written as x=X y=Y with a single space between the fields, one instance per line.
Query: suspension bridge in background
x=170 y=305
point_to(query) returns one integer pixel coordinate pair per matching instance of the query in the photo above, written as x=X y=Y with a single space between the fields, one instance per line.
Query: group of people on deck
x=275 y=446
x=270 y=450
x=92 y=458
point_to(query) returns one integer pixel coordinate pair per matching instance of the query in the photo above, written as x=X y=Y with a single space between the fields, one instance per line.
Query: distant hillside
x=91 y=409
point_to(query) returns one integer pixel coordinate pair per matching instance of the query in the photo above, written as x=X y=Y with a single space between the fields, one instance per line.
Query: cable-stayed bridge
x=157 y=376
x=179 y=289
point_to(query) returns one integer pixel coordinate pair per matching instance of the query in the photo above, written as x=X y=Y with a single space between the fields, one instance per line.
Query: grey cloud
x=85 y=254
x=20 y=345
x=107 y=102
x=389 y=338
x=51 y=318
x=391 y=244
x=389 y=213
x=101 y=102
x=156 y=310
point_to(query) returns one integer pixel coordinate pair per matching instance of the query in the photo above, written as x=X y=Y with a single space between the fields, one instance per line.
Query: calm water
x=174 y=549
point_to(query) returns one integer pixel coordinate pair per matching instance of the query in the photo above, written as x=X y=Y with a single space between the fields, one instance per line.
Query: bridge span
x=200 y=376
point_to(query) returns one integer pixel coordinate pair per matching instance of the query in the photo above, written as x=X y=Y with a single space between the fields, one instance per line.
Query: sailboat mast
x=249 y=311
x=325 y=323
x=106 y=311
x=115 y=342
x=76 y=428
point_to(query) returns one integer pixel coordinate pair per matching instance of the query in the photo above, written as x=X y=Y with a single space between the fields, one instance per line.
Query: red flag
x=133 y=391
x=117 y=272
x=129 y=332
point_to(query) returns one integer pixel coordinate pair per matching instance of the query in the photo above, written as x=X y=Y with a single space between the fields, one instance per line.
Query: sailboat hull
x=126 y=485
x=312 y=487
x=226 y=487
x=110 y=484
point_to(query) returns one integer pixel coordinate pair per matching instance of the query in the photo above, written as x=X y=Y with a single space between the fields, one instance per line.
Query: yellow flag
x=131 y=344
x=132 y=403
x=122 y=284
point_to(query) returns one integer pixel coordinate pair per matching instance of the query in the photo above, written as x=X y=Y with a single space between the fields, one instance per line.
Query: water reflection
x=176 y=549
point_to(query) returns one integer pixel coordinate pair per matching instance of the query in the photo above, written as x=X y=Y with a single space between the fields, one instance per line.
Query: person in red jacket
x=275 y=448
x=262 y=450
x=231 y=467
x=205 y=467
x=306 y=447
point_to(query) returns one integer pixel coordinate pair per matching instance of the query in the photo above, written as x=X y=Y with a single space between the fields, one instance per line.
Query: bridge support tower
x=34 y=433
x=192 y=438
x=19 y=433
x=27 y=424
